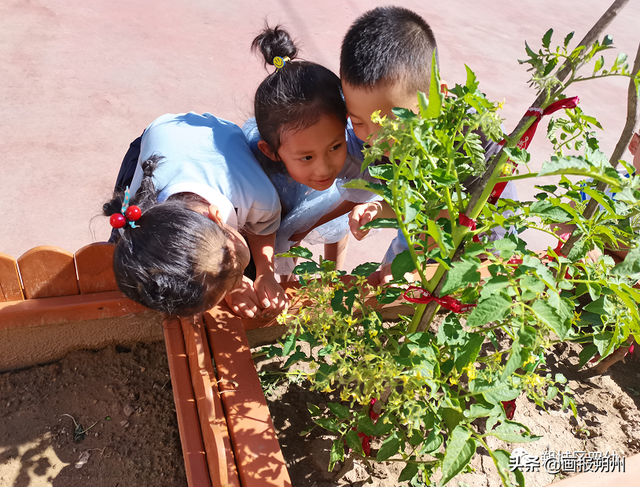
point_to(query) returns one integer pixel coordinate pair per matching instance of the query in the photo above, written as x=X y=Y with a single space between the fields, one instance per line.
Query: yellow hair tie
x=279 y=62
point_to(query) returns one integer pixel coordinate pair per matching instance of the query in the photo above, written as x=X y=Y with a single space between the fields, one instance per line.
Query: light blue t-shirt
x=210 y=157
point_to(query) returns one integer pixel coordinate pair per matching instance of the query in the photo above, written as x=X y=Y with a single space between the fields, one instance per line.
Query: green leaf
x=597 y=306
x=337 y=453
x=545 y=313
x=450 y=332
x=495 y=308
x=527 y=336
x=423 y=104
x=587 y=354
x=408 y=472
x=460 y=449
x=336 y=301
x=599 y=64
x=596 y=195
x=313 y=409
x=436 y=97
x=416 y=438
x=382 y=171
x=435 y=232
x=568 y=38
x=561 y=165
x=514 y=362
x=469 y=351
x=402 y=263
x=433 y=443
x=629 y=266
x=390 y=295
x=382 y=223
x=403 y=113
x=501 y=459
x=289 y=344
x=549 y=211
x=329 y=424
x=366 y=269
x=381 y=428
x=354 y=442
x=366 y=185
x=462 y=273
x=494 y=392
x=296 y=357
x=339 y=410
x=472 y=81
x=452 y=417
x=306 y=268
x=297 y=252
x=366 y=426
x=390 y=447
x=546 y=39
x=513 y=432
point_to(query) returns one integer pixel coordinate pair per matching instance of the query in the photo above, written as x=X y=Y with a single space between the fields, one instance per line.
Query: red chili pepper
x=509 y=408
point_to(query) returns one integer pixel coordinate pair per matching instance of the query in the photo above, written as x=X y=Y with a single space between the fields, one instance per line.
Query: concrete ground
x=80 y=80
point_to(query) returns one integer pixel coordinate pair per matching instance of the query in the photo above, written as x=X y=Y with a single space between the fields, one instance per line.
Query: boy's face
x=362 y=102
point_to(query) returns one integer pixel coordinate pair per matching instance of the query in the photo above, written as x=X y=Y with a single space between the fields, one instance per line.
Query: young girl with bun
x=300 y=137
x=198 y=186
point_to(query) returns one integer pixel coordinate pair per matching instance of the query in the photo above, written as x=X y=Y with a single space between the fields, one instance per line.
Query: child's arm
x=343 y=208
x=270 y=294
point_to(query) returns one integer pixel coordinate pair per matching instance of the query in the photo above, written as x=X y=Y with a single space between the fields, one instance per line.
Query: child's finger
x=243 y=311
x=385 y=274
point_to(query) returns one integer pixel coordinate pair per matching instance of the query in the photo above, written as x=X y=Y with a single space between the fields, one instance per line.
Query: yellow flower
x=453 y=380
x=471 y=371
x=350 y=321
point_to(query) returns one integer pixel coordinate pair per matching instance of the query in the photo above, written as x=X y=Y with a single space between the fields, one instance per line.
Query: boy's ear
x=635 y=142
x=266 y=150
x=215 y=215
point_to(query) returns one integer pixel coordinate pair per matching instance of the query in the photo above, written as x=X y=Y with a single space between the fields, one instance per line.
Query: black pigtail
x=274 y=42
x=147 y=196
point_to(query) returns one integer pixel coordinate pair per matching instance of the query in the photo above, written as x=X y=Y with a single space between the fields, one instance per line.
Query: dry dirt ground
x=123 y=398
x=134 y=441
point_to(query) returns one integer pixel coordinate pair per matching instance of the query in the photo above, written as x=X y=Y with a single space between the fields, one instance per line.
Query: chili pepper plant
x=434 y=393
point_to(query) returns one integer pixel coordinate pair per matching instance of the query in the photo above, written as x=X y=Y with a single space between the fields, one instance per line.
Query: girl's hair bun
x=274 y=42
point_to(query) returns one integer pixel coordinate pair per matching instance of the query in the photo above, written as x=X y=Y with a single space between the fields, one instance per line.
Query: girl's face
x=315 y=156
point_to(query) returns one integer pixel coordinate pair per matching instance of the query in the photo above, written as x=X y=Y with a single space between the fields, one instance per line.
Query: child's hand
x=361 y=215
x=243 y=300
x=271 y=296
x=385 y=274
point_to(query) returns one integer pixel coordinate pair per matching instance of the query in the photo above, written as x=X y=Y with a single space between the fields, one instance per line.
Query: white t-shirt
x=210 y=157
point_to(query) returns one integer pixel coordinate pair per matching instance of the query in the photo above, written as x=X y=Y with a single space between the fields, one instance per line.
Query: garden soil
x=134 y=441
x=122 y=396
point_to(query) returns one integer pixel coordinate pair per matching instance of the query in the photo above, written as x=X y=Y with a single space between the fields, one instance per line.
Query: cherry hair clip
x=128 y=214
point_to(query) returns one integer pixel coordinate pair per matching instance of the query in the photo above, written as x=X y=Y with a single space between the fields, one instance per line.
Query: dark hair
x=293 y=97
x=177 y=261
x=388 y=45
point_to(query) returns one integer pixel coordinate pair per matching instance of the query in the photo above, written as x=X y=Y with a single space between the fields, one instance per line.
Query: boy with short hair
x=385 y=59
